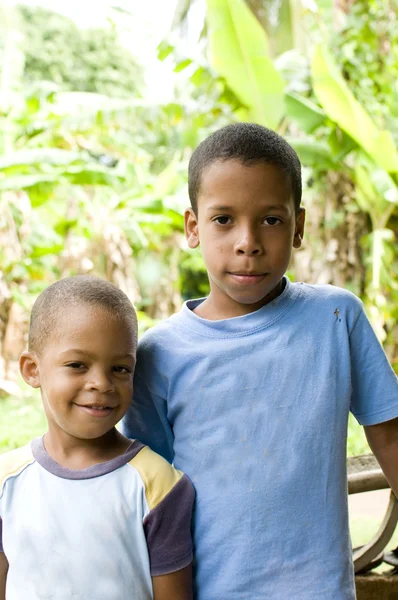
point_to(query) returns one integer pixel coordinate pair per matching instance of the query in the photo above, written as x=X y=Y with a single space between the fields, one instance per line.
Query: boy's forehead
x=77 y=321
x=260 y=177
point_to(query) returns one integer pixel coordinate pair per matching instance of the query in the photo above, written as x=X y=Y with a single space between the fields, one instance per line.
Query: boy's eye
x=75 y=365
x=121 y=369
x=272 y=220
x=222 y=220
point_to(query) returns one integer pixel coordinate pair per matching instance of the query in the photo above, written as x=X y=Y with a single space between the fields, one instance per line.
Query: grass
x=22 y=419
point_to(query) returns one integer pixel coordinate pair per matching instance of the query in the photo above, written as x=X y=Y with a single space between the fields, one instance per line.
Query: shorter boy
x=85 y=512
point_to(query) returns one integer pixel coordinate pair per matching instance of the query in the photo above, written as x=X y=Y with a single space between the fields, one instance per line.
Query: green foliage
x=356 y=439
x=94 y=179
x=90 y=60
x=350 y=115
x=240 y=53
x=366 y=48
x=22 y=420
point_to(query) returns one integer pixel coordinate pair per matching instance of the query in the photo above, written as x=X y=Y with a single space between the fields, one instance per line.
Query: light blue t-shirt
x=254 y=410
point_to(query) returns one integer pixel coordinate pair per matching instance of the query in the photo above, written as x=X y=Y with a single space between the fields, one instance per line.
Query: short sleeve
x=168 y=530
x=1 y=535
x=146 y=419
x=374 y=384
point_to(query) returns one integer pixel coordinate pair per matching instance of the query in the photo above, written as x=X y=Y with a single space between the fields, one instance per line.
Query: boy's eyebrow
x=219 y=207
x=85 y=353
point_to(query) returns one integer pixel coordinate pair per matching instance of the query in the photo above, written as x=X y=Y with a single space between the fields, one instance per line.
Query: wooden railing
x=365 y=475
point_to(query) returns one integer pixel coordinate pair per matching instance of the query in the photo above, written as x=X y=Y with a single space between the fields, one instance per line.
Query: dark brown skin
x=3 y=575
x=175 y=586
x=383 y=440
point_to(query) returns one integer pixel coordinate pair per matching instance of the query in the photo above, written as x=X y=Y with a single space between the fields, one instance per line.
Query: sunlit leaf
x=313 y=153
x=304 y=112
x=341 y=106
x=239 y=50
x=183 y=64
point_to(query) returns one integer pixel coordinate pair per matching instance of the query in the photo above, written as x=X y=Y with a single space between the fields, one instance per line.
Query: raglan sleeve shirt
x=374 y=397
x=170 y=495
x=160 y=516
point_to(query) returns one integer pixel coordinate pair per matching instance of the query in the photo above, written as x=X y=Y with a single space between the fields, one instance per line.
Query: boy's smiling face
x=246 y=226
x=85 y=372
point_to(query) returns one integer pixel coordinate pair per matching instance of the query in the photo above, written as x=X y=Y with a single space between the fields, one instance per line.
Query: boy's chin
x=257 y=300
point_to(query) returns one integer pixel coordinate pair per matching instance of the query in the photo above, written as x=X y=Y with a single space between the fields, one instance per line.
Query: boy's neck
x=78 y=454
x=217 y=307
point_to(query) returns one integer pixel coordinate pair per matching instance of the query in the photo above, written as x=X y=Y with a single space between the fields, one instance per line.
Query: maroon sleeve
x=168 y=530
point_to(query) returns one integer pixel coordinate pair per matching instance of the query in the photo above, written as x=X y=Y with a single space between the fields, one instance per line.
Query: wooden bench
x=365 y=475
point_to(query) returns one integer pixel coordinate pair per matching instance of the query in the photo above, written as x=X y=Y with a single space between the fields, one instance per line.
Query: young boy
x=85 y=512
x=248 y=390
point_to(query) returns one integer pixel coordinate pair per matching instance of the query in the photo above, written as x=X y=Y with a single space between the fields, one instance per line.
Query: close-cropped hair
x=73 y=292
x=247 y=143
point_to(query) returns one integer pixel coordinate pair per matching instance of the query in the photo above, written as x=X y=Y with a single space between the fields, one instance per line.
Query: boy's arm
x=146 y=419
x=167 y=526
x=383 y=440
x=176 y=586
x=3 y=575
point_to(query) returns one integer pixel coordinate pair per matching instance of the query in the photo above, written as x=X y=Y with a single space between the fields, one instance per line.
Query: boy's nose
x=248 y=244
x=100 y=382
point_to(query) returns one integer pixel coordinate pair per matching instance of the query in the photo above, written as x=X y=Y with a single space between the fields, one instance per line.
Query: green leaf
x=340 y=143
x=44 y=251
x=87 y=175
x=164 y=50
x=182 y=65
x=305 y=113
x=376 y=192
x=239 y=49
x=21 y=182
x=62 y=227
x=313 y=153
x=39 y=156
x=341 y=107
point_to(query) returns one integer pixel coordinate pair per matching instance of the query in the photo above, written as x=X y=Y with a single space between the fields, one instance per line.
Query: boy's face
x=247 y=227
x=85 y=373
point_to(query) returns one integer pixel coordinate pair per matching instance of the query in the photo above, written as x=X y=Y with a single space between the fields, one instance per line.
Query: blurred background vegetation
x=93 y=167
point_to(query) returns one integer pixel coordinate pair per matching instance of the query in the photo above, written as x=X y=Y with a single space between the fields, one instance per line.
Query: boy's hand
x=175 y=586
x=3 y=575
x=383 y=440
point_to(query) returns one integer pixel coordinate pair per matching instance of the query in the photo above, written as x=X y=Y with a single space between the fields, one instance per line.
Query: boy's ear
x=191 y=228
x=299 y=231
x=29 y=368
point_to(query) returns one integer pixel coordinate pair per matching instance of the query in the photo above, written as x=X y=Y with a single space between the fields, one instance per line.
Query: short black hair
x=76 y=291
x=248 y=143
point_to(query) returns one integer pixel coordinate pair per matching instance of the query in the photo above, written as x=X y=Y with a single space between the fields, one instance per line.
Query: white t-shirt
x=94 y=534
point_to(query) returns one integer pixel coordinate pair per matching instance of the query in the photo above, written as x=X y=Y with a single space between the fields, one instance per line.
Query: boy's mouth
x=248 y=277
x=96 y=410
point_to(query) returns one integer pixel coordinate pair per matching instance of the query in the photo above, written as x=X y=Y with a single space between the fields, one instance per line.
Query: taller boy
x=248 y=390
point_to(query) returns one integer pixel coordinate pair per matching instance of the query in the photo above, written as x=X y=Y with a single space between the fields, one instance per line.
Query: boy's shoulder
x=159 y=334
x=325 y=292
x=12 y=463
x=158 y=476
x=324 y=303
